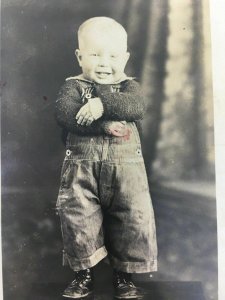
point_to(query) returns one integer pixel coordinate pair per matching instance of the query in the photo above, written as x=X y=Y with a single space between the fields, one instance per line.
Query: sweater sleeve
x=128 y=104
x=68 y=104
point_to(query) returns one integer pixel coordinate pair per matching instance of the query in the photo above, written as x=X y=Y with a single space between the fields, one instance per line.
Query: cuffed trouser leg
x=129 y=221
x=81 y=216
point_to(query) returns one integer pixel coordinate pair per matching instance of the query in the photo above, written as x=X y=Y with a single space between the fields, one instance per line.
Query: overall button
x=68 y=152
x=138 y=151
x=88 y=96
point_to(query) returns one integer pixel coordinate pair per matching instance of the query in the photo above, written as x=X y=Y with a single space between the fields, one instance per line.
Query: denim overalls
x=104 y=204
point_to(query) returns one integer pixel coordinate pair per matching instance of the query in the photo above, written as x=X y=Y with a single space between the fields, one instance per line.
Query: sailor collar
x=81 y=77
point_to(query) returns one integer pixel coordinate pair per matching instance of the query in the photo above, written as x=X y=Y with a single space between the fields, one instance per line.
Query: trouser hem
x=134 y=267
x=84 y=263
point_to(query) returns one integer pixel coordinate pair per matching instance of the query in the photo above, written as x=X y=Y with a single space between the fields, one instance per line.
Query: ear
x=79 y=56
x=127 y=56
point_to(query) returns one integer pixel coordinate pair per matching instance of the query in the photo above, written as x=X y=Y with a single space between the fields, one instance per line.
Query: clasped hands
x=88 y=114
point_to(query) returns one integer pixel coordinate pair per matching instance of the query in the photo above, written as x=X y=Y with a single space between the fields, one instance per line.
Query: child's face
x=102 y=57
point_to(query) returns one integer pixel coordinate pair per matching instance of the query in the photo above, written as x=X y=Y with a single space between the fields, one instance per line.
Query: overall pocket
x=66 y=180
x=66 y=174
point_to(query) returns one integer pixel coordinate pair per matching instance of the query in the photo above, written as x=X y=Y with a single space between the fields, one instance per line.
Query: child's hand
x=117 y=128
x=91 y=111
x=84 y=115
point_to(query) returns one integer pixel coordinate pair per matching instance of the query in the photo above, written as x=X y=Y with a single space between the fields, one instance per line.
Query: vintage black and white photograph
x=108 y=156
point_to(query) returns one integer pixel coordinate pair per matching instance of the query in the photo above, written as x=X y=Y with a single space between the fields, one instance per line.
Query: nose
x=103 y=61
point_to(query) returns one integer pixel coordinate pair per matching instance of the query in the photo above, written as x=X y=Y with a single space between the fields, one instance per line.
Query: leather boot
x=81 y=286
x=124 y=286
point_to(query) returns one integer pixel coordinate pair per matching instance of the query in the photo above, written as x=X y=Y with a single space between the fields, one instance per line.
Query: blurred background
x=169 y=41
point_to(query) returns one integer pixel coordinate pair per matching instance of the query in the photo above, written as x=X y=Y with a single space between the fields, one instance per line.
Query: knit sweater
x=121 y=102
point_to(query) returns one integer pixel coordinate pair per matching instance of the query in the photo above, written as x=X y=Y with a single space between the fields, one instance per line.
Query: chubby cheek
x=88 y=64
x=88 y=69
x=119 y=68
x=121 y=64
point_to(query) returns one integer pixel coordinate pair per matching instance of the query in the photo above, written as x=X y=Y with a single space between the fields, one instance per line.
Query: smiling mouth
x=103 y=74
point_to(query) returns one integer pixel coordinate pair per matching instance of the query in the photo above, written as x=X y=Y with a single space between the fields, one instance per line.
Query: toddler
x=104 y=202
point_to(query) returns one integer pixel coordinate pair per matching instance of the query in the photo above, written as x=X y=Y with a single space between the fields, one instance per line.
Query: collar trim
x=81 y=77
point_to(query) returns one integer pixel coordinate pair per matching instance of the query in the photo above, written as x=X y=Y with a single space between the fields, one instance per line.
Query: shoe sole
x=129 y=297
x=79 y=296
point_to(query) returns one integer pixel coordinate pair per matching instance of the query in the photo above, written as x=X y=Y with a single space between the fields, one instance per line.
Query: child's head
x=102 y=52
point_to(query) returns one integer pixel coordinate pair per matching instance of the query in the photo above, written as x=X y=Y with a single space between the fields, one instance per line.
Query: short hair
x=101 y=24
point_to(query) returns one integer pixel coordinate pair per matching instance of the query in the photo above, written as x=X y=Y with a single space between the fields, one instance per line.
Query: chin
x=103 y=81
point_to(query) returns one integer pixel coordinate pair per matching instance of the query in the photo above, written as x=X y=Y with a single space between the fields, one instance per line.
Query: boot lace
x=82 y=277
x=124 y=279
